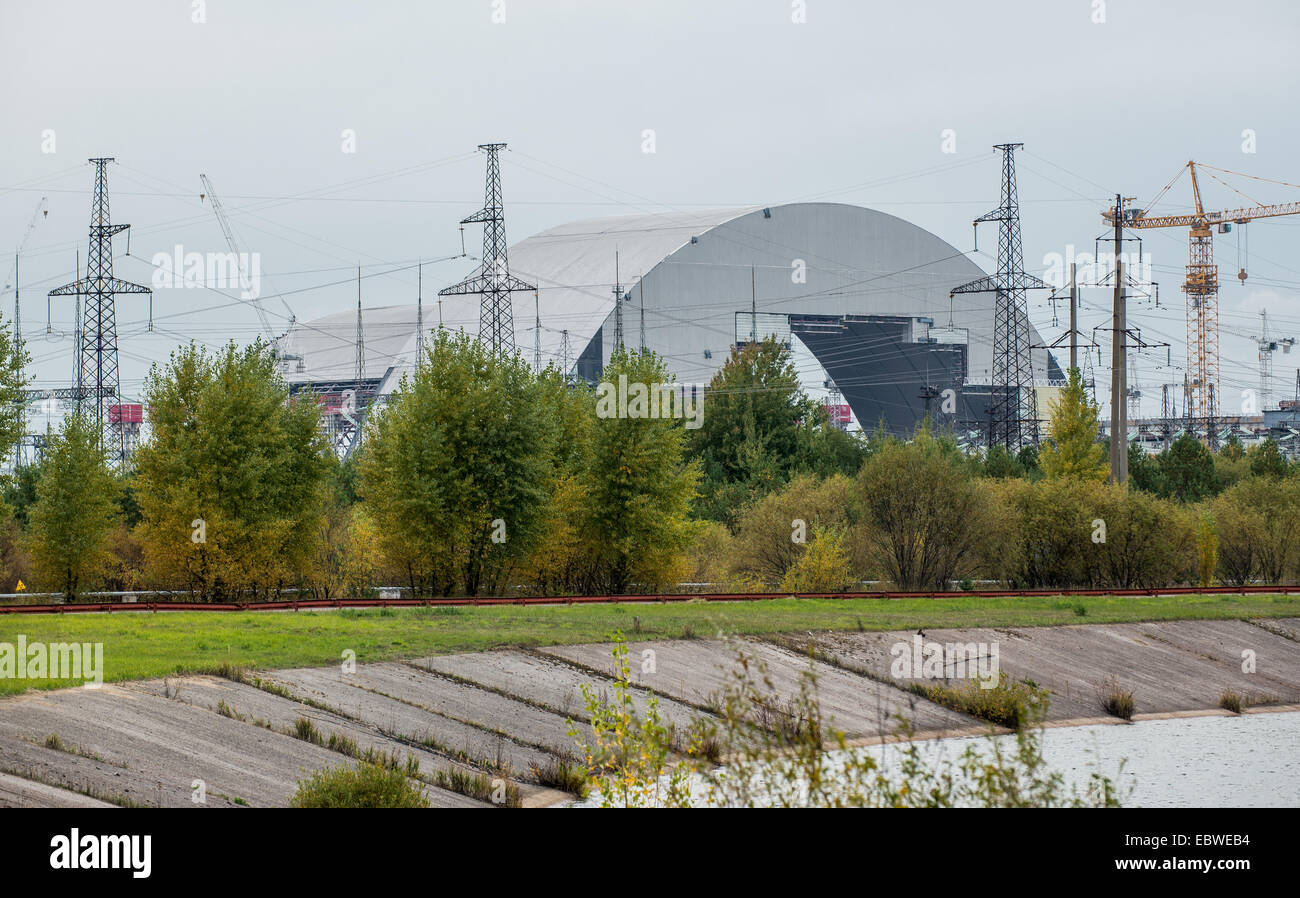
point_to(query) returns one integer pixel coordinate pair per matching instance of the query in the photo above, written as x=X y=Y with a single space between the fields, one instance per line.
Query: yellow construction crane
x=1202 y=281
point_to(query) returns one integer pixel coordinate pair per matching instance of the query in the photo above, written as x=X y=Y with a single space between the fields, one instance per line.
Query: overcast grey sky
x=747 y=107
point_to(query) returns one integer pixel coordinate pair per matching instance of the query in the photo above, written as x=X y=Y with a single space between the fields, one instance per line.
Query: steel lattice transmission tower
x=1013 y=411
x=492 y=279
x=96 y=362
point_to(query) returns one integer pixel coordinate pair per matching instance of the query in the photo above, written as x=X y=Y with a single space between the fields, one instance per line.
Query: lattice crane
x=244 y=282
x=1202 y=279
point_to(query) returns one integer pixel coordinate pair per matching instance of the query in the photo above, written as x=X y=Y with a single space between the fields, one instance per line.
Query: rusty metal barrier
x=488 y=601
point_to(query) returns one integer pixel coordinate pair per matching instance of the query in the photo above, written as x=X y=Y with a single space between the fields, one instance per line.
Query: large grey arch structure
x=867 y=292
x=696 y=273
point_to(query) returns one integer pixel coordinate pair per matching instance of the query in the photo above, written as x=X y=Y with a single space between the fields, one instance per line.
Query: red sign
x=132 y=413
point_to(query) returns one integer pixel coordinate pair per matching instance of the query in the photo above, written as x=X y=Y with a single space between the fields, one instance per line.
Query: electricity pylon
x=492 y=280
x=96 y=364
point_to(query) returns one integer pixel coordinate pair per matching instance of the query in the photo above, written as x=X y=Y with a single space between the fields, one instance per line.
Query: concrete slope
x=696 y=671
x=16 y=792
x=548 y=682
x=130 y=746
x=258 y=707
x=405 y=700
x=1169 y=666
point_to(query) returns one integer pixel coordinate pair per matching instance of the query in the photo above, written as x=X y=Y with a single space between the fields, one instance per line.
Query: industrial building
x=867 y=293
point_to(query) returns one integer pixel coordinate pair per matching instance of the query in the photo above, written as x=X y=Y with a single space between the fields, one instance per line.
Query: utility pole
x=492 y=280
x=361 y=343
x=20 y=456
x=1167 y=415
x=753 y=307
x=1072 y=335
x=1074 y=320
x=618 y=306
x=419 y=316
x=18 y=321
x=1118 y=374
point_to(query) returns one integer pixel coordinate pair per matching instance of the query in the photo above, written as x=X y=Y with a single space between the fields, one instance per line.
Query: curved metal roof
x=691 y=274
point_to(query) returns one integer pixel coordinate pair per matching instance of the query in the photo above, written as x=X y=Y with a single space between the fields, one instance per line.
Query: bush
x=765 y=549
x=1043 y=536
x=1011 y=703
x=1230 y=700
x=924 y=515
x=362 y=786
x=1062 y=532
x=1150 y=542
x=1115 y=700
x=1258 y=524
x=823 y=566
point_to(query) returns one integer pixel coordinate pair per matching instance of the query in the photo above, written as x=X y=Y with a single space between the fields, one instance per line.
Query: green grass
x=142 y=644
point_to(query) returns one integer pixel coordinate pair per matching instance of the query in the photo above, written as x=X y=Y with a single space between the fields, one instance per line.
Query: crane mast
x=244 y=282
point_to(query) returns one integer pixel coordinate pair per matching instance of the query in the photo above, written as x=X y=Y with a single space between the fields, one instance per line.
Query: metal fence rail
x=488 y=601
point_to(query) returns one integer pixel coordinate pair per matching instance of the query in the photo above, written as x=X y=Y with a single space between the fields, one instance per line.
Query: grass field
x=141 y=645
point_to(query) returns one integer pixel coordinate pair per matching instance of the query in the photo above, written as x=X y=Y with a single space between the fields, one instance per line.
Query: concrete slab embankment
x=550 y=682
x=257 y=707
x=696 y=671
x=1169 y=666
x=16 y=792
x=401 y=702
x=146 y=742
x=127 y=745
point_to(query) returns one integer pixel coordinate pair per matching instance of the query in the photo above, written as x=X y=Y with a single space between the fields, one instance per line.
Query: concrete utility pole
x=618 y=306
x=1118 y=377
x=1074 y=320
x=419 y=316
x=753 y=307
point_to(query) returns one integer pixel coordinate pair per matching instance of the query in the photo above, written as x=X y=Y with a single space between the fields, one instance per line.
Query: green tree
x=20 y=491
x=458 y=468
x=1266 y=459
x=1073 y=450
x=232 y=485
x=639 y=486
x=760 y=427
x=1028 y=459
x=75 y=511
x=1144 y=470
x=1000 y=464
x=13 y=360
x=1188 y=470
